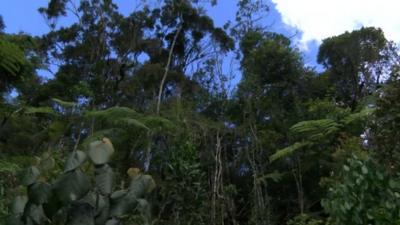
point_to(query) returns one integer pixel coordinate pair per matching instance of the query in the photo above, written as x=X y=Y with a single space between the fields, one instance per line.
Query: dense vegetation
x=283 y=145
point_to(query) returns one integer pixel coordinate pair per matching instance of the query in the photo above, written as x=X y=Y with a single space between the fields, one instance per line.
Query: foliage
x=223 y=150
x=384 y=127
x=304 y=219
x=362 y=193
x=8 y=172
x=357 y=62
x=72 y=198
x=185 y=181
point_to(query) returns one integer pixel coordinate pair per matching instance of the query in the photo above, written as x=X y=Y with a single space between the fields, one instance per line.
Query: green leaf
x=360 y=116
x=141 y=185
x=130 y=122
x=46 y=162
x=122 y=203
x=315 y=129
x=34 y=213
x=81 y=214
x=103 y=210
x=100 y=134
x=43 y=110
x=30 y=175
x=71 y=186
x=11 y=58
x=104 y=179
x=8 y=167
x=65 y=104
x=18 y=204
x=53 y=207
x=118 y=194
x=158 y=123
x=113 y=221
x=39 y=192
x=112 y=113
x=285 y=152
x=275 y=176
x=100 y=151
x=143 y=207
x=75 y=160
x=15 y=220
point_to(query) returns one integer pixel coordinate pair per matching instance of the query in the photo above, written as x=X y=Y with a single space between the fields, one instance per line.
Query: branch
x=166 y=69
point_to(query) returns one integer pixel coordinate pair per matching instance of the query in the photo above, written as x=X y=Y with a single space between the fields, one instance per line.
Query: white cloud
x=319 y=19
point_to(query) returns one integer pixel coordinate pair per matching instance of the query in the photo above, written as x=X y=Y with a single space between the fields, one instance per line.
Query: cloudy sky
x=319 y=19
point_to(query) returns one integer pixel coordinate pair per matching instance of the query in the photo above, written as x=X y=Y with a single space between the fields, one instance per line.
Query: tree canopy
x=284 y=144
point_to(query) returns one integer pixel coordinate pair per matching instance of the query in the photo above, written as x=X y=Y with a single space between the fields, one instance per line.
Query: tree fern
x=129 y=118
x=63 y=103
x=102 y=133
x=42 y=110
x=315 y=129
x=359 y=116
x=11 y=58
x=288 y=151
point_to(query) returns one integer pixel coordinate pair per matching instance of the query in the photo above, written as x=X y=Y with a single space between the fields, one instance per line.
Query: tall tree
x=357 y=62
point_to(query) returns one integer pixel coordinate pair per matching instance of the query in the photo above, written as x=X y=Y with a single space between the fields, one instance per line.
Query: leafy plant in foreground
x=363 y=194
x=75 y=197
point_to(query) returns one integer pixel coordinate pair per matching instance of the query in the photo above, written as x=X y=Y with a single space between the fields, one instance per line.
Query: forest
x=142 y=120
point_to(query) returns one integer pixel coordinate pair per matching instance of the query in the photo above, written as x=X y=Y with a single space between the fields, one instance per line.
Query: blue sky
x=310 y=20
x=22 y=15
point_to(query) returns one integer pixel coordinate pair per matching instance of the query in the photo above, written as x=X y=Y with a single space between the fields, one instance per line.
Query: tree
x=357 y=62
x=384 y=135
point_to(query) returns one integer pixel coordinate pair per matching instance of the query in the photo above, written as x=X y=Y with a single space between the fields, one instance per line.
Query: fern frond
x=120 y=117
x=112 y=113
x=130 y=122
x=43 y=110
x=64 y=103
x=98 y=135
x=275 y=176
x=11 y=57
x=358 y=117
x=285 y=152
x=158 y=123
x=315 y=129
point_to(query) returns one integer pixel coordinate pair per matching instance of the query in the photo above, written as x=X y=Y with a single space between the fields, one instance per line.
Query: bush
x=83 y=194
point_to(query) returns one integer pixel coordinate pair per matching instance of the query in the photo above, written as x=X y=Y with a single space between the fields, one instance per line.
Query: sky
x=319 y=19
x=307 y=22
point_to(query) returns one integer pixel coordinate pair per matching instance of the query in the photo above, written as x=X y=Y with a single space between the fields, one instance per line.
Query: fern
x=129 y=118
x=316 y=129
x=11 y=58
x=358 y=117
x=130 y=122
x=64 y=104
x=285 y=152
x=98 y=135
x=8 y=167
x=43 y=110
x=158 y=123
x=275 y=176
x=112 y=113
